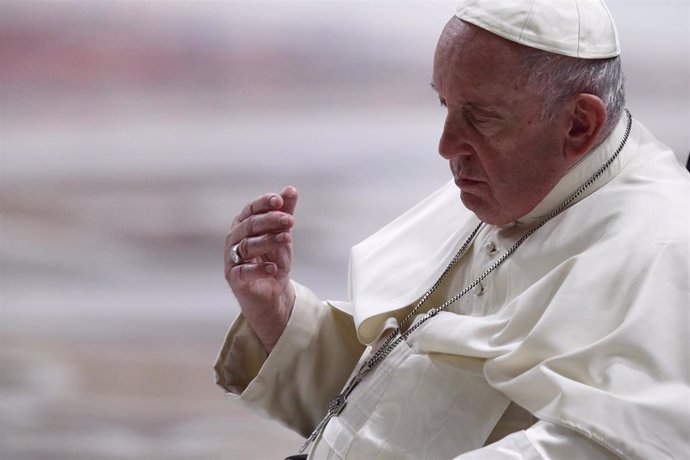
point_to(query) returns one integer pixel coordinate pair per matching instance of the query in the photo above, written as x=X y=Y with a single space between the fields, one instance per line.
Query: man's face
x=503 y=157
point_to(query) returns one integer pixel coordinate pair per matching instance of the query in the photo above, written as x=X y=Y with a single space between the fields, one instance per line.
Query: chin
x=483 y=210
x=476 y=205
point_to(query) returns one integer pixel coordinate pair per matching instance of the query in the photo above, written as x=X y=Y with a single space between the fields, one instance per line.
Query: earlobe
x=587 y=115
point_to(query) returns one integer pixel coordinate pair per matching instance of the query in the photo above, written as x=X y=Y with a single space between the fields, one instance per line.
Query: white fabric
x=543 y=441
x=514 y=447
x=554 y=442
x=585 y=326
x=567 y=318
x=578 y=28
x=265 y=395
x=291 y=385
x=379 y=422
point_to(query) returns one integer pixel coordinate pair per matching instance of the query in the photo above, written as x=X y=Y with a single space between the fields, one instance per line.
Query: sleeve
x=542 y=441
x=309 y=364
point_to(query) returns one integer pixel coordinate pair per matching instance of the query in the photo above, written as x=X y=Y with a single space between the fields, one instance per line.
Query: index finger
x=261 y=205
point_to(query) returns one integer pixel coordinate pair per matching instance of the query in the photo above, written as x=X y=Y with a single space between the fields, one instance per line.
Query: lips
x=463 y=180
x=466 y=182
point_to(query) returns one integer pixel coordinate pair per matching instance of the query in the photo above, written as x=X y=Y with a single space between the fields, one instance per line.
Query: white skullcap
x=578 y=28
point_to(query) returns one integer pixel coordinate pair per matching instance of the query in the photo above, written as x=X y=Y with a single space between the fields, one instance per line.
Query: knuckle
x=231 y=237
x=243 y=248
x=231 y=275
x=229 y=241
x=245 y=211
x=250 y=224
x=240 y=272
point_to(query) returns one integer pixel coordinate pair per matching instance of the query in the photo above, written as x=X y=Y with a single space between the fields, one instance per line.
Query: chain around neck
x=398 y=336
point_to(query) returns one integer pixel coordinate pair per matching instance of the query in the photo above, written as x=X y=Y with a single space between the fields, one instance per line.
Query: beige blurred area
x=131 y=132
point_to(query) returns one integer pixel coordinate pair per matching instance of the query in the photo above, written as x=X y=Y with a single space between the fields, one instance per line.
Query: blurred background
x=132 y=132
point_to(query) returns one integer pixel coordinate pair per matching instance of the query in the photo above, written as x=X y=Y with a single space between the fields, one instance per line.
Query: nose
x=453 y=141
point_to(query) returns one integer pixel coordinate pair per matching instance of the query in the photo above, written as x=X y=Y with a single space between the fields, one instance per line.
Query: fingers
x=289 y=196
x=261 y=205
x=268 y=243
x=285 y=201
x=273 y=222
x=269 y=213
x=250 y=272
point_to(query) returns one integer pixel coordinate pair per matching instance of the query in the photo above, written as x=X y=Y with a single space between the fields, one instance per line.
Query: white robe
x=585 y=326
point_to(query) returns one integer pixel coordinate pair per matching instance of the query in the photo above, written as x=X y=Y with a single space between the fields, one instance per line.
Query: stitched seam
x=579 y=27
x=524 y=24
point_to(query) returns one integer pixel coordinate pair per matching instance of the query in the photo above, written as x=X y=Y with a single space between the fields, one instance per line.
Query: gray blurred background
x=132 y=132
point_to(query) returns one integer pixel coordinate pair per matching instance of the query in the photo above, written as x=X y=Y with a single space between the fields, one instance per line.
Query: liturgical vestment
x=575 y=347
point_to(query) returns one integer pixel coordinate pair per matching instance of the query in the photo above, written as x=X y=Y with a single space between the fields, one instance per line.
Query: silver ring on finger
x=235 y=257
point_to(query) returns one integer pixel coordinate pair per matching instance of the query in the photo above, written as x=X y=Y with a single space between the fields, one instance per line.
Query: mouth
x=466 y=183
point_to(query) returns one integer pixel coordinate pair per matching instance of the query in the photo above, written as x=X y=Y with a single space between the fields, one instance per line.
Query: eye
x=442 y=102
x=477 y=120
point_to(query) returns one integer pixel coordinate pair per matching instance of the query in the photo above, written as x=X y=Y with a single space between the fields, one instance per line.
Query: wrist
x=281 y=312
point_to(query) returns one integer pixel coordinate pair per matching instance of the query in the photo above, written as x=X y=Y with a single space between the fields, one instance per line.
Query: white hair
x=557 y=78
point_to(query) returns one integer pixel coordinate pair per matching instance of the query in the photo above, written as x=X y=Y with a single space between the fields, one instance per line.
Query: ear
x=586 y=118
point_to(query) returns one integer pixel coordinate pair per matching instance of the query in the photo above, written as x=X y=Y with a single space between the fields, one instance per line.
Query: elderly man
x=547 y=318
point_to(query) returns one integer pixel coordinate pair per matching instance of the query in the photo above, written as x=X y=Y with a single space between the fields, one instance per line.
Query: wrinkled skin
x=262 y=284
x=503 y=156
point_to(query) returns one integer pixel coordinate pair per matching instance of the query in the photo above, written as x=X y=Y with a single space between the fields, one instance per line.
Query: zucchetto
x=578 y=28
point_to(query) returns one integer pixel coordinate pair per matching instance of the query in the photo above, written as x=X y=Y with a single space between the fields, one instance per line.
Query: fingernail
x=270 y=269
x=280 y=237
x=284 y=220
x=273 y=201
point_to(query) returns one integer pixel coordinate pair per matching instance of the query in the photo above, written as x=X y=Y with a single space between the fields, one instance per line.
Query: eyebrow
x=433 y=86
x=488 y=110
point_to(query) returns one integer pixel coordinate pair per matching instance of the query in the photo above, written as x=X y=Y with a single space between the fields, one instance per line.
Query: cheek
x=512 y=172
x=499 y=165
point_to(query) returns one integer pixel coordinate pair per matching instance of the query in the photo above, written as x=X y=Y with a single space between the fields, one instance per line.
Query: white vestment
x=585 y=326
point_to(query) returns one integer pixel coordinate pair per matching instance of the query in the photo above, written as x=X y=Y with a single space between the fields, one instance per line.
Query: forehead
x=472 y=63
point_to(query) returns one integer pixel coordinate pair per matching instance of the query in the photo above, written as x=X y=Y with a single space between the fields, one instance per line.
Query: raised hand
x=261 y=236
